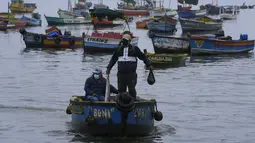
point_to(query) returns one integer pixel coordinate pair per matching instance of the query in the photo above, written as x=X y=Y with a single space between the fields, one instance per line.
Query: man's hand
x=107 y=71
x=150 y=67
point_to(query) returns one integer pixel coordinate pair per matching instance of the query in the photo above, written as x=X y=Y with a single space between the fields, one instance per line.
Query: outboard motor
x=220 y=33
x=243 y=37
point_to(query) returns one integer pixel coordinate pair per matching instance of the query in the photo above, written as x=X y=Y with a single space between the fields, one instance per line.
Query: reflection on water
x=155 y=137
x=219 y=58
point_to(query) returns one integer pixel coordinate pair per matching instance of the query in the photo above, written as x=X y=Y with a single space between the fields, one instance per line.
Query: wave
x=43 y=109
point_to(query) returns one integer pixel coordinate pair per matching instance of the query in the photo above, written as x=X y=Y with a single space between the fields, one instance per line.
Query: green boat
x=53 y=21
x=172 y=60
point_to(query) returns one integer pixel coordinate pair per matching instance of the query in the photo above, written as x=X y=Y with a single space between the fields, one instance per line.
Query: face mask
x=125 y=42
x=96 y=76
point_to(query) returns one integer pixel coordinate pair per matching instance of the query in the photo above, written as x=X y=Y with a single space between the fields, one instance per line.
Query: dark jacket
x=128 y=64
x=93 y=85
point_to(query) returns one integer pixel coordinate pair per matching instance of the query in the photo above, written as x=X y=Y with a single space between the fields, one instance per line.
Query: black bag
x=151 y=79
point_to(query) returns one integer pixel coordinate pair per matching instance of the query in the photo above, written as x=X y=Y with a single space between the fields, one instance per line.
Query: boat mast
x=70 y=5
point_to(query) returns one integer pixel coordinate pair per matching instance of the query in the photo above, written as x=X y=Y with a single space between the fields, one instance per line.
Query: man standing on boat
x=95 y=86
x=127 y=55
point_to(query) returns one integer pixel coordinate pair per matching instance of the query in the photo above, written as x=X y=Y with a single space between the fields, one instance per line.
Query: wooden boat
x=62 y=21
x=172 y=60
x=18 y=6
x=105 y=23
x=163 y=24
x=200 y=45
x=114 y=117
x=31 y=21
x=191 y=13
x=52 y=39
x=105 y=42
x=227 y=16
x=170 y=44
x=16 y=21
x=143 y=24
x=162 y=12
x=6 y=15
x=128 y=12
x=81 y=7
x=201 y=24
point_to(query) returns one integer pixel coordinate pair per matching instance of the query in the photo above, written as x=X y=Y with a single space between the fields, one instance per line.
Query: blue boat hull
x=191 y=14
x=31 y=21
x=105 y=118
x=214 y=46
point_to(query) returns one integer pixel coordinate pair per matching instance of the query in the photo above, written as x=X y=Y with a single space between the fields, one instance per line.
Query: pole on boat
x=8 y=11
x=107 y=90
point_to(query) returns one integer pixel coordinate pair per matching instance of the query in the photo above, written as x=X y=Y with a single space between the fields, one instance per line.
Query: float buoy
x=158 y=116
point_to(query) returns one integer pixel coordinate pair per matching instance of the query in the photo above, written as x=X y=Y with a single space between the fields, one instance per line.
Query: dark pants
x=127 y=80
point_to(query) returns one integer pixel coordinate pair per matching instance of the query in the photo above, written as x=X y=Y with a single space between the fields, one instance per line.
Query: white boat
x=67 y=14
x=161 y=13
x=228 y=16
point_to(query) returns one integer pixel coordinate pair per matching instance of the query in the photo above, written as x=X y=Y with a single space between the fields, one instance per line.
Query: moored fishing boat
x=200 y=24
x=173 y=60
x=163 y=24
x=143 y=23
x=53 y=21
x=191 y=13
x=67 y=14
x=18 y=6
x=134 y=12
x=105 y=23
x=6 y=15
x=170 y=44
x=105 y=41
x=162 y=12
x=31 y=21
x=52 y=39
x=203 y=45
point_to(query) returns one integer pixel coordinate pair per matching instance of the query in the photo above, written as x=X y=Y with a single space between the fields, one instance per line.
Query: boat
x=52 y=39
x=67 y=14
x=17 y=22
x=143 y=23
x=191 y=13
x=31 y=21
x=204 y=45
x=53 y=21
x=105 y=42
x=163 y=24
x=6 y=15
x=227 y=16
x=120 y=115
x=80 y=8
x=18 y=6
x=100 y=5
x=134 y=12
x=105 y=23
x=170 y=44
x=200 y=24
x=162 y=12
x=172 y=60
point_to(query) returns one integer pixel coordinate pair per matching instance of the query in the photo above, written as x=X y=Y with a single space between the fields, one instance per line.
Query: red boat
x=134 y=12
x=113 y=35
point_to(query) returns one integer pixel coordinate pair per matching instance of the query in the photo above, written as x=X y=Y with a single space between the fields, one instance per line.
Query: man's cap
x=97 y=71
x=126 y=36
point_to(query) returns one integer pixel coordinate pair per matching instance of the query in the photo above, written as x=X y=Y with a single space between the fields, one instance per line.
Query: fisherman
x=95 y=86
x=127 y=55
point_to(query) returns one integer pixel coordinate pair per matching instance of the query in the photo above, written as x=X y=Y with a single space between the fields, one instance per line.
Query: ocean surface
x=211 y=100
